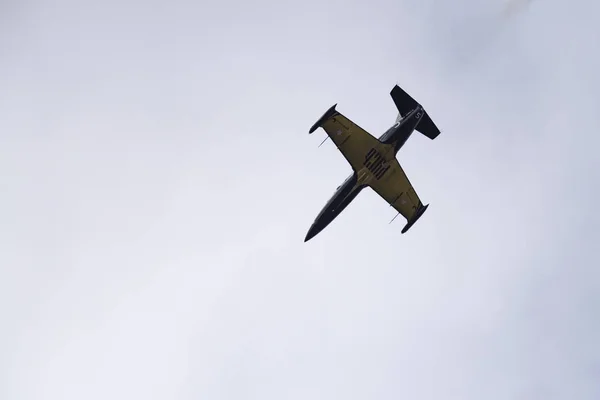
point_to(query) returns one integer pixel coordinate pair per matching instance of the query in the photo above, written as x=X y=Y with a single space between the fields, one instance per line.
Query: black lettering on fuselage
x=376 y=164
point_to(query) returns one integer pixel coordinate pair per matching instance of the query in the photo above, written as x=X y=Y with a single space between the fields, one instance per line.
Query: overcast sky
x=157 y=181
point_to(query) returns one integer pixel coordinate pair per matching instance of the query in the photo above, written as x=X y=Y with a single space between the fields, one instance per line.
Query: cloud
x=513 y=7
x=160 y=180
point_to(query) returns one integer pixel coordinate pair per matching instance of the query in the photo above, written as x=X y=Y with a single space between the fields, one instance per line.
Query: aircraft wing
x=352 y=140
x=395 y=188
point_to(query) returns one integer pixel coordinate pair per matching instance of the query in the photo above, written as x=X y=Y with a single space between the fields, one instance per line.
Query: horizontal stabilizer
x=405 y=104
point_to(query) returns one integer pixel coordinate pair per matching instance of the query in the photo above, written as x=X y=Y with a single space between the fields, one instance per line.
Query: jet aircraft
x=374 y=162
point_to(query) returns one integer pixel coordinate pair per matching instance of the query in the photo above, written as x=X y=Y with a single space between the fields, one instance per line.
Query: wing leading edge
x=352 y=140
x=398 y=192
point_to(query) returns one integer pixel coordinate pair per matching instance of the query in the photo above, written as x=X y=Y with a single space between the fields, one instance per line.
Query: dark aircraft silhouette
x=374 y=162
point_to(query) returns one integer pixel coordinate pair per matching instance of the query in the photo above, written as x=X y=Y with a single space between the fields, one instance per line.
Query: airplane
x=374 y=162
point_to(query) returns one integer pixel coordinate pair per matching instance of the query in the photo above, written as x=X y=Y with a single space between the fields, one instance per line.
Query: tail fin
x=405 y=104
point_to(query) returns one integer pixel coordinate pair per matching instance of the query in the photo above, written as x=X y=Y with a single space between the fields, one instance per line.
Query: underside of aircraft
x=373 y=160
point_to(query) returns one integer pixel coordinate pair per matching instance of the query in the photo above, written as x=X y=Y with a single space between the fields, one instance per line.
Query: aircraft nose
x=312 y=232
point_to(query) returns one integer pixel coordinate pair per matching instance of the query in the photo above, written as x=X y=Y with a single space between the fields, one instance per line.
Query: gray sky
x=158 y=180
